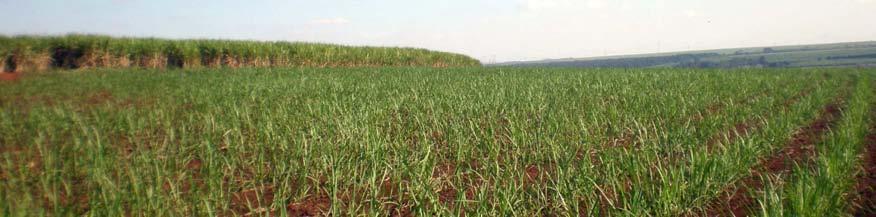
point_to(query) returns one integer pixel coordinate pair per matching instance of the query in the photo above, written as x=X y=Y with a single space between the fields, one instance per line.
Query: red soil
x=393 y=191
x=539 y=174
x=795 y=98
x=865 y=204
x=6 y=76
x=257 y=202
x=310 y=206
x=193 y=168
x=447 y=195
x=800 y=148
x=744 y=128
x=739 y=130
x=627 y=140
x=253 y=201
x=444 y=172
x=78 y=199
x=194 y=165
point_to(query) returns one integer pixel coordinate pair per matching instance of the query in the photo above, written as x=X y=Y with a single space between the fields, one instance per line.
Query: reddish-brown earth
x=799 y=149
x=865 y=202
x=744 y=128
x=9 y=76
x=310 y=206
x=739 y=130
x=787 y=104
x=392 y=190
x=445 y=172
x=193 y=178
x=255 y=201
x=448 y=195
x=78 y=198
x=627 y=140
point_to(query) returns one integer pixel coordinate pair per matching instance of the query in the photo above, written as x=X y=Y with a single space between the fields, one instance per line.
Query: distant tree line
x=737 y=62
x=742 y=58
x=40 y=53
x=863 y=56
x=631 y=62
x=679 y=60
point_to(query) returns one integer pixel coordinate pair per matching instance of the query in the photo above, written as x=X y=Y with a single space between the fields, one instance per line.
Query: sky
x=489 y=30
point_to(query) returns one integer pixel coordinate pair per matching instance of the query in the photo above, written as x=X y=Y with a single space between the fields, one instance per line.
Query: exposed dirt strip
x=865 y=202
x=799 y=149
x=627 y=140
x=738 y=130
x=743 y=128
x=718 y=107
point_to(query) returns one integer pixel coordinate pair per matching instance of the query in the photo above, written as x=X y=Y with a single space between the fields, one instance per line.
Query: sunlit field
x=428 y=141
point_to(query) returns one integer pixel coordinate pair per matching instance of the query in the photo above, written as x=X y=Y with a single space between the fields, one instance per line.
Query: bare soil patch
x=9 y=76
x=311 y=206
x=255 y=201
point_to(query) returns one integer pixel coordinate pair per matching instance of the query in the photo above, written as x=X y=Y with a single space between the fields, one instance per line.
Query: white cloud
x=331 y=21
x=538 y=5
x=692 y=13
x=865 y=1
x=552 y=5
x=595 y=4
x=378 y=35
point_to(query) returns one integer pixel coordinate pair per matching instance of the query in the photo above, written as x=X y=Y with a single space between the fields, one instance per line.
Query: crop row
x=40 y=53
x=411 y=141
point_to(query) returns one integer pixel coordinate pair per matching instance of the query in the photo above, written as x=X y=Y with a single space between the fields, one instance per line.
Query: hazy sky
x=490 y=30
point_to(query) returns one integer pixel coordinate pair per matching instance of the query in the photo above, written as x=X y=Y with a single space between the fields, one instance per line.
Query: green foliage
x=104 y=51
x=825 y=190
x=824 y=55
x=375 y=141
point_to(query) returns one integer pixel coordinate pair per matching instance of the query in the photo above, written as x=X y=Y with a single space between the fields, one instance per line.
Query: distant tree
x=768 y=50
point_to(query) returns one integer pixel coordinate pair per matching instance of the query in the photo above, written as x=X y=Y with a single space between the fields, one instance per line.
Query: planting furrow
x=865 y=203
x=406 y=142
x=627 y=139
x=720 y=107
x=609 y=198
x=798 y=149
x=745 y=127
